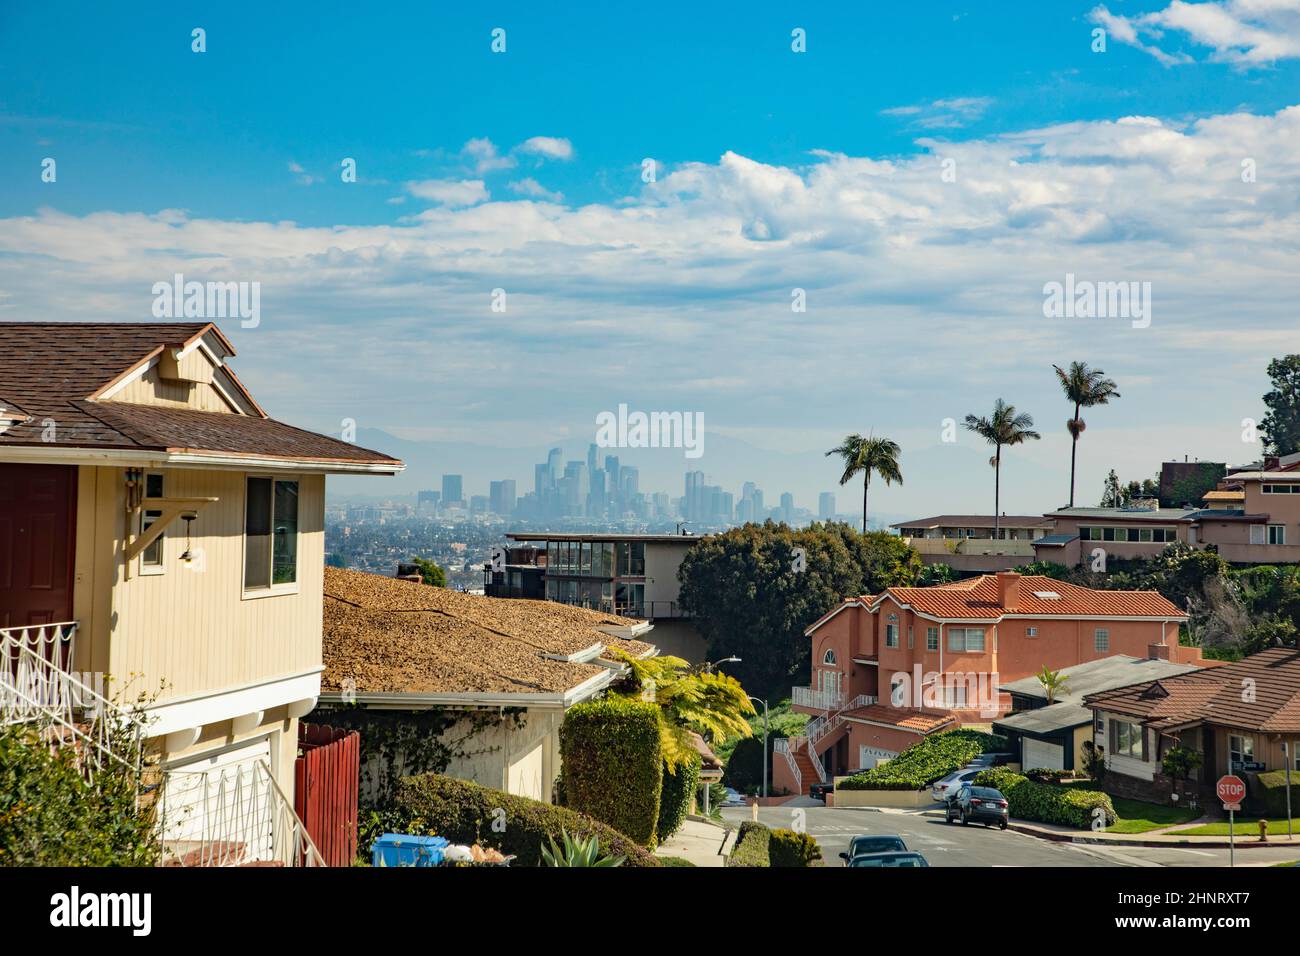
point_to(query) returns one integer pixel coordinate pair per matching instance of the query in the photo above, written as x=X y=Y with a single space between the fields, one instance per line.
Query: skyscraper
x=502 y=497
x=451 y=492
x=826 y=505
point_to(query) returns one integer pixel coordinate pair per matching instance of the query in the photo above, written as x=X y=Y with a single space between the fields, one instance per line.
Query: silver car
x=943 y=789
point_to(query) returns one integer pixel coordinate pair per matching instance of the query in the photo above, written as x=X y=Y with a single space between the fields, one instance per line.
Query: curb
x=1184 y=844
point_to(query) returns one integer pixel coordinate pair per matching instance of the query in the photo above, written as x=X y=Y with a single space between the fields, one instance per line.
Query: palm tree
x=1005 y=427
x=1053 y=683
x=1085 y=387
x=865 y=455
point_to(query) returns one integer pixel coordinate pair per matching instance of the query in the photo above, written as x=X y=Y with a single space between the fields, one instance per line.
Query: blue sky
x=776 y=170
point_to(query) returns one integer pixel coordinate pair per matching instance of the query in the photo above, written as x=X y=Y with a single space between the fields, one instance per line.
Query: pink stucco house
x=887 y=669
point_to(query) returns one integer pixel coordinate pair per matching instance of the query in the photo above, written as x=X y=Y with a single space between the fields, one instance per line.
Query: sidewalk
x=1162 y=837
x=702 y=842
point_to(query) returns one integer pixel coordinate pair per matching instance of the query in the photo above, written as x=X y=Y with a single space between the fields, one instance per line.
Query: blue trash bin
x=404 y=849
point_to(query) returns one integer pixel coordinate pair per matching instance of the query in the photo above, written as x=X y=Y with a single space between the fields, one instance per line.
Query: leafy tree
x=1190 y=489
x=749 y=601
x=886 y=559
x=430 y=572
x=1003 y=428
x=1113 y=496
x=1281 y=425
x=862 y=456
x=1179 y=762
x=1085 y=387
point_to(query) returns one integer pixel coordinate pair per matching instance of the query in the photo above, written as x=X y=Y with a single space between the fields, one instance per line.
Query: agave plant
x=577 y=851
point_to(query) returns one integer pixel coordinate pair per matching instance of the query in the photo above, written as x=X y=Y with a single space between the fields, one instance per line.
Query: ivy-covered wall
x=473 y=744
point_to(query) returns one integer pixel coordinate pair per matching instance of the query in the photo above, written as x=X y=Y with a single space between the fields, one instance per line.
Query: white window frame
x=1101 y=640
x=1241 y=749
x=1031 y=632
x=143 y=567
x=891 y=635
x=931 y=638
x=965 y=646
x=1258 y=534
x=1137 y=733
x=829 y=656
x=273 y=590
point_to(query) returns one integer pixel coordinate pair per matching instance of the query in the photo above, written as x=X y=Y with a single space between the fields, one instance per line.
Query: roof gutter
x=398 y=700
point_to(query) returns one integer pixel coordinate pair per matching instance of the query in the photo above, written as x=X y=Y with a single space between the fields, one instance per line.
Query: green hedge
x=1269 y=790
x=465 y=812
x=924 y=762
x=788 y=848
x=752 y=846
x=50 y=815
x=745 y=767
x=1046 y=803
x=675 y=798
x=613 y=765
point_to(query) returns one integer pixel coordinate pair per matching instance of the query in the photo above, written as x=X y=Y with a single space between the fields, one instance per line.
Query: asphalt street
x=944 y=844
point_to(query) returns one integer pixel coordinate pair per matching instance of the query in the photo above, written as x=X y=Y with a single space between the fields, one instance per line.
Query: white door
x=1037 y=754
x=220 y=804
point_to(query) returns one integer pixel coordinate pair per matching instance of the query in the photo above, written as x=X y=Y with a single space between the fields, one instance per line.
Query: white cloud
x=483 y=153
x=549 y=147
x=1246 y=33
x=301 y=175
x=924 y=296
x=534 y=190
x=449 y=192
x=943 y=114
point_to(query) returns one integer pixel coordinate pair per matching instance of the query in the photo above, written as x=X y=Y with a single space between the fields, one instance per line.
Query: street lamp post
x=764 y=703
x=710 y=665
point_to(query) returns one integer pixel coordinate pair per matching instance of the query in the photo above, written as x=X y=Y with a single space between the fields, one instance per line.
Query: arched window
x=829 y=656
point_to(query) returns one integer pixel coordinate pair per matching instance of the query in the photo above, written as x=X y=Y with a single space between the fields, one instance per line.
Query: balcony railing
x=236 y=816
x=820 y=699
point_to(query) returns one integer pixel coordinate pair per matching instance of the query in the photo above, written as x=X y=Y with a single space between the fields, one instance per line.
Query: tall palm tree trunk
x=1074 y=449
x=866 y=481
x=997 y=492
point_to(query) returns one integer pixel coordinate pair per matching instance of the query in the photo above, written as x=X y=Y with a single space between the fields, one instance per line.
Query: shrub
x=1046 y=775
x=745 y=768
x=1047 y=803
x=1269 y=790
x=752 y=846
x=675 y=799
x=613 y=764
x=51 y=815
x=925 y=762
x=1179 y=762
x=464 y=812
x=788 y=848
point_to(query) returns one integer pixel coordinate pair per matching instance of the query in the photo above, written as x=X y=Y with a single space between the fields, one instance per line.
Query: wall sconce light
x=187 y=556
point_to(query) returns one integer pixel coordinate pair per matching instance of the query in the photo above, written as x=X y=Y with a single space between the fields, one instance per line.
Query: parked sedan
x=949 y=785
x=873 y=843
x=978 y=804
x=888 y=859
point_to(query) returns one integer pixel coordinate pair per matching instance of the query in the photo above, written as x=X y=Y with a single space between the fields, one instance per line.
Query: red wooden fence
x=326 y=780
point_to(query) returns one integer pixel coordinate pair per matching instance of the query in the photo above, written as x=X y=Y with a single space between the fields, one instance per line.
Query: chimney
x=1158 y=652
x=1271 y=463
x=1008 y=589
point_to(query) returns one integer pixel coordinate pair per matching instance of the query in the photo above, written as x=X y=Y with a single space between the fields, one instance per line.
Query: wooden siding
x=151 y=389
x=193 y=631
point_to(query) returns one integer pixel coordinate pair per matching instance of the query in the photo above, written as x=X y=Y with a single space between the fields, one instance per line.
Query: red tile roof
x=908 y=718
x=977 y=599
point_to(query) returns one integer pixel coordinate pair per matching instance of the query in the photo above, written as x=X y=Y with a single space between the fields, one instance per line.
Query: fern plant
x=576 y=851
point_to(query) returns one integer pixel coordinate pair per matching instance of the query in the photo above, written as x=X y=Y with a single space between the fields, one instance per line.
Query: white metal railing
x=821 y=699
x=35 y=688
x=821 y=727
x=54 y=642
x=781 y=745
x=233 y=816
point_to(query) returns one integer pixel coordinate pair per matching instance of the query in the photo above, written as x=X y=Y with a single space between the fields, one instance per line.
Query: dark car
x=888 y=859
x=992 y=760
x=978 y=805
x=819 y=790
x=872 y=843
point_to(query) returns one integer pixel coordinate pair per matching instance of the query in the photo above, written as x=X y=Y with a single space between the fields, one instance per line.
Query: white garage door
x=869 y=757
x=220 y=806
x=1038 y=754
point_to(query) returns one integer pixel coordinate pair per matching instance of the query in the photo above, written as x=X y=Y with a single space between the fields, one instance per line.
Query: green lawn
x=1248 y=827
x=1134 y=816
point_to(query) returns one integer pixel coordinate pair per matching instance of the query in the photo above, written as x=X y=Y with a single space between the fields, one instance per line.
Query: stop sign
x=1230 y=788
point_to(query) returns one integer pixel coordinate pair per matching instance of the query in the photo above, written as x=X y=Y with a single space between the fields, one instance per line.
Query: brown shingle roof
x=53 y=370
x=393 y=636
x=1261 y=692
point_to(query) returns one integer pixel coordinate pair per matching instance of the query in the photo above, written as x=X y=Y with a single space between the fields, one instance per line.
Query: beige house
x=501 y=671
x=160 y=535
